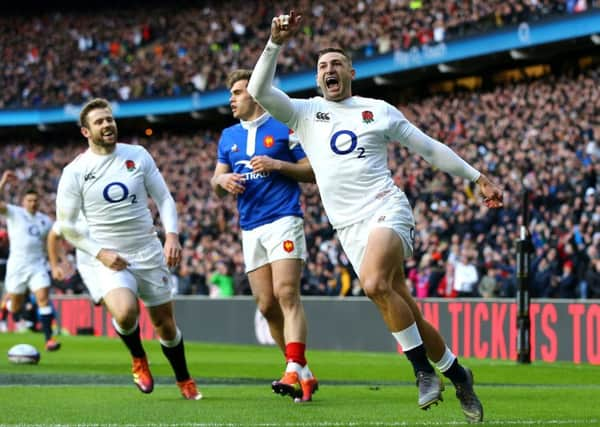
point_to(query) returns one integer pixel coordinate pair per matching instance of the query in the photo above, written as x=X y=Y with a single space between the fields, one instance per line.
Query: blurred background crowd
x=139 y=52
x=540 y=133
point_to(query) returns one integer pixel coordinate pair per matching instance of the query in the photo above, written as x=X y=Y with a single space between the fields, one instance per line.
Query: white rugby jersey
x=345 y=143
x=112 y=193
x=27 y=235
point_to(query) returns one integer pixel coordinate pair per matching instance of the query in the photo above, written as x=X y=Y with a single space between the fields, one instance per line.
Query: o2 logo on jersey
x=33 y=230
x=335 y=145
x=116 y=192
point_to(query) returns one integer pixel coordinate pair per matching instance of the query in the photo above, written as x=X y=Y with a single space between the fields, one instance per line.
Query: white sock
x=294 y=367
x=408 y=338
x=305 y=373
x=446 y=361
x=45 y=310
x=173 y=342
x=122 y=331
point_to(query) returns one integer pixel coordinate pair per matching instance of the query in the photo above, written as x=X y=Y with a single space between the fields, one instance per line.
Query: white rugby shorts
x=281 y=239
x=86 y=266
x=394 y=212
x=147 y=275
x=20 y=277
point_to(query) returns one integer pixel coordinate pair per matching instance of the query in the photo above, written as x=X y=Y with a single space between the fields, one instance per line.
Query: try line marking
x=329 y=424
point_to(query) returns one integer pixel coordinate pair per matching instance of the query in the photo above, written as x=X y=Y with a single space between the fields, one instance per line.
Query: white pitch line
x=329 y=424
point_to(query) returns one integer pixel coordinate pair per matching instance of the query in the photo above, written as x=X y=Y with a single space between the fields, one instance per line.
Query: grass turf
x=88 y=383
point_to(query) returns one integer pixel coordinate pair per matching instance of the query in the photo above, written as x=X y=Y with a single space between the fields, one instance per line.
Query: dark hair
x=336 y=50
x=94 y=104
x=237 y=75
x=29 y=191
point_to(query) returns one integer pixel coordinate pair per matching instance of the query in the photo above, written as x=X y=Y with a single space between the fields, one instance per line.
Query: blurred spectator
x=465 y=276
x=221 y=282
x=592 y=279
x=488 y=285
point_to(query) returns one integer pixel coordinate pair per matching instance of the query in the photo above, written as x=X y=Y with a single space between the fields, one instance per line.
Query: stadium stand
x=141 y=52
x=538 y=129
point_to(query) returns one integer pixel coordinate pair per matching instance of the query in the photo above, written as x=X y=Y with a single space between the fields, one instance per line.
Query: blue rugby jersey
x=268 y=196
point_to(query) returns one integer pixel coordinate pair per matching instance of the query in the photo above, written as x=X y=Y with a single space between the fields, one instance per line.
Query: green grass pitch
x=87 y=383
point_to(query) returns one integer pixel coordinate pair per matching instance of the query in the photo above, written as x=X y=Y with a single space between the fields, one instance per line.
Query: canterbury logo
x=322 y=117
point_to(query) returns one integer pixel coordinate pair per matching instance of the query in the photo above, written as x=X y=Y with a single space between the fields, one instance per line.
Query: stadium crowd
x=145 y=50
x=543 y=135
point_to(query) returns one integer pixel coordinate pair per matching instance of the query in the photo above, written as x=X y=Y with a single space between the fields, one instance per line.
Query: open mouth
x=332 y=83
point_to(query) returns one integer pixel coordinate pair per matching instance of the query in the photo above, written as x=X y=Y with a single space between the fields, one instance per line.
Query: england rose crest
x=130 y=165
x=367 y=116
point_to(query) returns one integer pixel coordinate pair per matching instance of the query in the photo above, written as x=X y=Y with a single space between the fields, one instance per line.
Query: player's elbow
x=217 y=189
x=309 y=176
x=68 y=230
x=254 y=89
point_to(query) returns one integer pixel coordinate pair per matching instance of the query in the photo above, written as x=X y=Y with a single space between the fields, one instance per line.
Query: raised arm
x=260 y=86
x=7 y=176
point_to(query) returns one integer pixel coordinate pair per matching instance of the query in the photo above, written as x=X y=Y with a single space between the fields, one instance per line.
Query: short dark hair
x=334 y=49
x=237 y=75
x=30 y=190
x=94 y=104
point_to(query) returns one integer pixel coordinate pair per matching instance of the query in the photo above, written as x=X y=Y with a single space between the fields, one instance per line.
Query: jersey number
x=119 y=192
x=351 y=148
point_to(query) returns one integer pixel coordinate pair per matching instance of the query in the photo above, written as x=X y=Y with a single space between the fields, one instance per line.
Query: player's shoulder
x=375 y=108
x=44 y=217
x=133 y=156
x=365 y=101
x=123 y=149
x=273 y=124
x=315 y=100
x=233 y=129
x=14 y=209
x=231 y=134
x=78 y=165
x=76 y=162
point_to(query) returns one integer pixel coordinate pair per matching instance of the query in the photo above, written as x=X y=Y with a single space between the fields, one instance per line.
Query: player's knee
x=287 y=294
x=269 y=308
x=13 y=305
x=126 y=320
x=376 y=287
